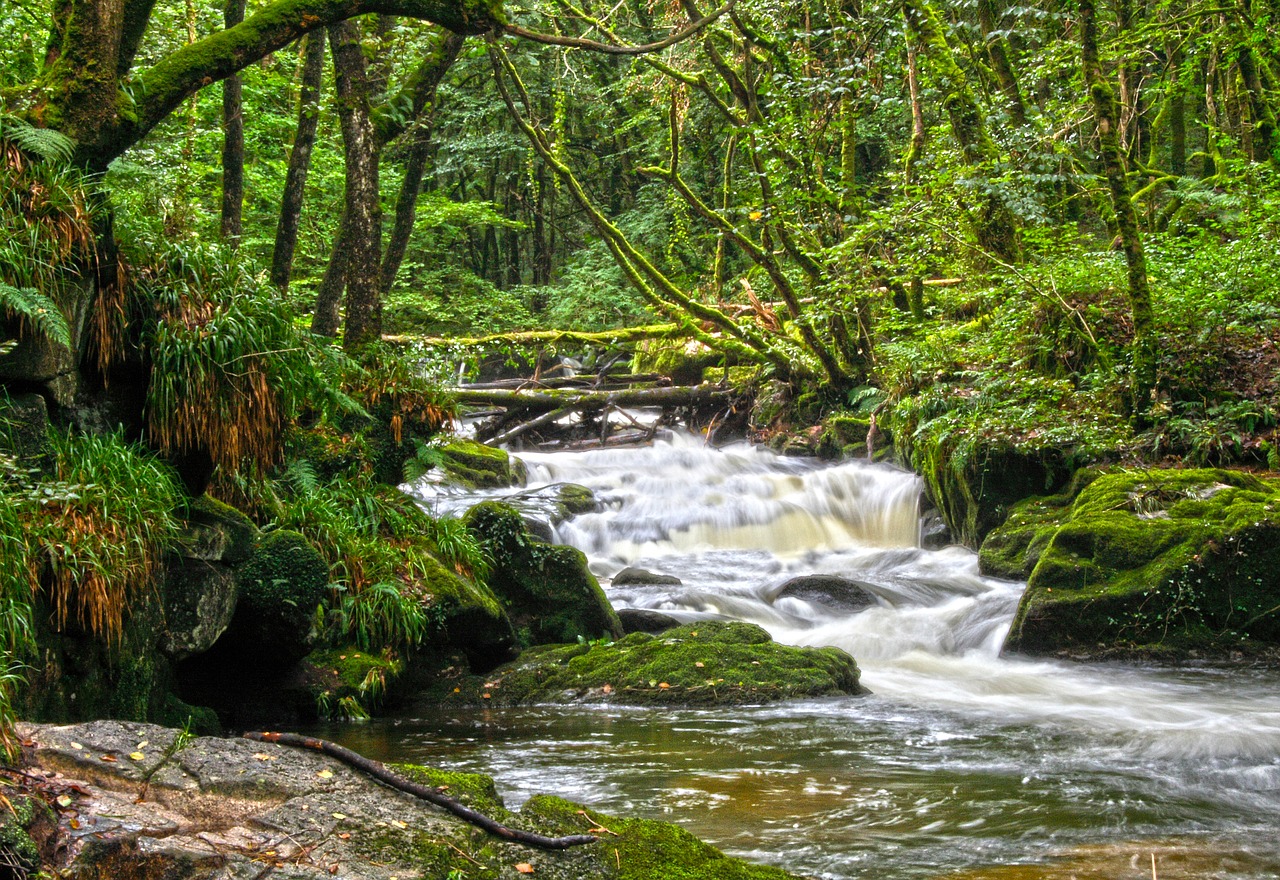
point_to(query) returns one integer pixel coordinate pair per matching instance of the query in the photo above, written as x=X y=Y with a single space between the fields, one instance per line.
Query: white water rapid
x=962 y=763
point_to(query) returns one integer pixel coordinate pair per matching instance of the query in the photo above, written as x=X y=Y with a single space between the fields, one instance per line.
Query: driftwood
x=380 y=772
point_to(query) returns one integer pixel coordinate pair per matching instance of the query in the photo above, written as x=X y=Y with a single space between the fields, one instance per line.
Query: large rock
x=548 y=591
x=704 y=663
x=1169 y=564
x=631 y=576
x=477 y=466
x=281 y=583
x=832 y=592
x=229 y=809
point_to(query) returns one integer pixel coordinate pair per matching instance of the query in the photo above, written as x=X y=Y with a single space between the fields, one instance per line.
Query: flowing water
x=962 y=764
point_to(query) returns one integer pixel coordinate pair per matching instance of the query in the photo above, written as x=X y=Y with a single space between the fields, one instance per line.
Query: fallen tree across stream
x=531 y=408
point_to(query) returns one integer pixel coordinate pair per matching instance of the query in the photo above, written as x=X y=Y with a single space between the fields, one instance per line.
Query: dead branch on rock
x=379 y=771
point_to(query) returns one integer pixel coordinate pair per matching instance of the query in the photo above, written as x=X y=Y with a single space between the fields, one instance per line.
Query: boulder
x=477 y=466
x=832 y=592
x=142 y=804
x=546 y=507
x=708 y=663
x=547 y=590
x=199 y=602
x=1164 y=564
x=24 y=419
x=281 y=583
x=640 y=577
x=645 y=620
x=217 y=532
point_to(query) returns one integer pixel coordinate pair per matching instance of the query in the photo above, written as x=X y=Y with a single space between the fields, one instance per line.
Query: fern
x=43 y=143
x=34 y=308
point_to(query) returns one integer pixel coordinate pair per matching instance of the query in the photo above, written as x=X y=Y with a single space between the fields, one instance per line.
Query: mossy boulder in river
x=478 y=466
x=704 y=663
x=1166 y=564
x=547 y=589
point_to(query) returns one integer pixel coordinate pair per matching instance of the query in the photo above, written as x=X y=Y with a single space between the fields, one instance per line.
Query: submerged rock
x=830 y=591
x=1166 y=564
x=138 y=805
x=704 y=663
x=638 y=576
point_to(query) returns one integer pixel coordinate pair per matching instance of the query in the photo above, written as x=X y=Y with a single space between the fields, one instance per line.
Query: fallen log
x=589 y=381
x=550 y=399
x=550 y=337
x=379 y=771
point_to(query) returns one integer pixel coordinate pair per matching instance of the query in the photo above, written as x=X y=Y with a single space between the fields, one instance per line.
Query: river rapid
x=962 y=763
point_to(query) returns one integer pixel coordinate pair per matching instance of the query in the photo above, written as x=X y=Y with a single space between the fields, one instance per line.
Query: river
x=961 y=764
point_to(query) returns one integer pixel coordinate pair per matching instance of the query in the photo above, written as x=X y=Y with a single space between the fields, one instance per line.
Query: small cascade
x=961 y=758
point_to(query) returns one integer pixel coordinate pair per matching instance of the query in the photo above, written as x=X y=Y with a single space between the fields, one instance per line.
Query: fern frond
x=43 y=143
x=37 y=310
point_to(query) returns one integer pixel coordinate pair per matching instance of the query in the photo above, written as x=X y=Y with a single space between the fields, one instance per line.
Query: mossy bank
x=1158 y=564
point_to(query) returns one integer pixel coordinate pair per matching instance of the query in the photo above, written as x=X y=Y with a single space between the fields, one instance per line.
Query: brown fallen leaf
x=110 y=759
x=662 y=686
x=263 y=756
x=344 y=836
x=524 y=868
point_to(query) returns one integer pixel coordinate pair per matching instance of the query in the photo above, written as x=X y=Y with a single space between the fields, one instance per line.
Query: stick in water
x=379 y=772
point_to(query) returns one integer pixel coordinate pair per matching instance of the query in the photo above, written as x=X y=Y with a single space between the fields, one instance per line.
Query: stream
x=962 y=763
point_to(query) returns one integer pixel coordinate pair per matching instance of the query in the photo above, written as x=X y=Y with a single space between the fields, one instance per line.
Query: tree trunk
x=295 y=181
x=1106 y=112
x=998 y=54
x=362 y=214
x=994 y=225
x=232 y=143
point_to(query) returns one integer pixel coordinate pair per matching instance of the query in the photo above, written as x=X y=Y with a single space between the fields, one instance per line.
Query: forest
x=248 y=251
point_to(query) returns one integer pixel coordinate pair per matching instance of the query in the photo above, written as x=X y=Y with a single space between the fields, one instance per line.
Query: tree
x=89 y=90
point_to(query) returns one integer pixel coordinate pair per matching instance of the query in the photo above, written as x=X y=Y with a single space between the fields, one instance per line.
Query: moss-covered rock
x=547 y=590
x=706 y=663
x=480 y=467
x=1154 y=563
x=974 y=491
x=26 y=828
x=217 y=532
x=281 y=584
x=684 y=361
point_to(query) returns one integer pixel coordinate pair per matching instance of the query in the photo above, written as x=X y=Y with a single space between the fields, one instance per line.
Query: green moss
x=281 y=584
x=478 y=466
x=1166 y=563
x=643 y=849
x=707 y=663
x=473 y=789
x=548 y=591
x=684 y=361
x=17 y=848
x=218 y=531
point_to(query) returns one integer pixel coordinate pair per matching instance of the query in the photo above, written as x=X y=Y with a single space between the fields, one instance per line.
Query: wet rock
x=280 y=586
x=199 y=602
x=546 y=507
x=934 y=533
x=709 y=663
x=640 y=577
x=1162 y=564
x=477 y=466
x=229 y=809
x=547 y=590
x=645 y=620
x=835 y=593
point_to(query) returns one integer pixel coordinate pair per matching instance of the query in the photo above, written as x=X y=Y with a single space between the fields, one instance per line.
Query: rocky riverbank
x=133 y=801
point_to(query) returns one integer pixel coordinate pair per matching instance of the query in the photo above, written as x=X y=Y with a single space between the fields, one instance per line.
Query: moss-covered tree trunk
x=1106 y=113
x=93 y=44
x=299 y=161
x=998 y=53
x=362 y=213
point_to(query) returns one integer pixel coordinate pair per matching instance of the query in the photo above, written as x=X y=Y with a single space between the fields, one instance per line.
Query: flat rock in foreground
x=131 y=806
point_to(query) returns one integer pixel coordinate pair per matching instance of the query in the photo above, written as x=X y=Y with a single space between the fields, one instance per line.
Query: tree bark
x=1107 y=112
x=295 y=181
x=998 y=54
x=427 y=80
x=232 y=143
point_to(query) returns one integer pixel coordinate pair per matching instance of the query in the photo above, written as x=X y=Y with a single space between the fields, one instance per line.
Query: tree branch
x=614 y=49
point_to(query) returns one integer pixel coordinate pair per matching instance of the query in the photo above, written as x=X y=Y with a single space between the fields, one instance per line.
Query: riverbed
x=962 y=764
